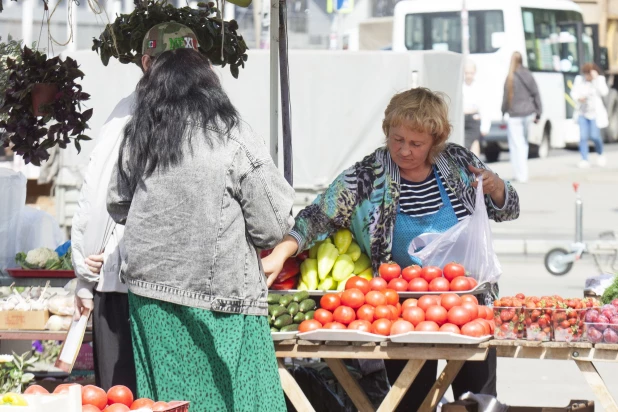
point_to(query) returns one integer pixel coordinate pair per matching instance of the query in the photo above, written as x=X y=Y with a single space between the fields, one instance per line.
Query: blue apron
x=408 y=227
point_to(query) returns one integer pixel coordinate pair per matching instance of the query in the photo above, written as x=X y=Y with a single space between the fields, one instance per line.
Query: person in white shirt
x=476 y=124
x=590 y=112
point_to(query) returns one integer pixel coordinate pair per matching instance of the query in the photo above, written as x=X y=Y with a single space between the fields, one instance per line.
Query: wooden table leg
x=591 y=374
x=350 y=385
x=401 y=386
x=439 y=388
x=292 y=390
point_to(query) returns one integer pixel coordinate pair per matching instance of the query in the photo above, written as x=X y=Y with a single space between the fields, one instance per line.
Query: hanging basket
x=42 y=94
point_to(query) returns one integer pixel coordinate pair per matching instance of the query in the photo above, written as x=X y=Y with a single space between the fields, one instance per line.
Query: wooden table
x=37 y=335
x=583 y=354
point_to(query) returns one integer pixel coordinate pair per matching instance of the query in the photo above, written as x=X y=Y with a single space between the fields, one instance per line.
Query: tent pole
x=274 y=80
x=285 y=94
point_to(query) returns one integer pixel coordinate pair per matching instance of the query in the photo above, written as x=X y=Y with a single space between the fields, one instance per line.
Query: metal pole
x=274 y=80
x=285 y=94
x=465 y=31
x=257 y=23
x=579 y=215
x=27 y=16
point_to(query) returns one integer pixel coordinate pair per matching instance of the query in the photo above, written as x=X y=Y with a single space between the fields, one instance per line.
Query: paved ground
x=547 y=216
x=545 y=383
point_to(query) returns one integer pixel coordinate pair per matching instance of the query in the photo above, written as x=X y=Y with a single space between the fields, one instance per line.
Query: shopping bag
x=469 y=243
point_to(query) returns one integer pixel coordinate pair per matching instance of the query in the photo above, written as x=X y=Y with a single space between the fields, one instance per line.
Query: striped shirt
x=423 y=198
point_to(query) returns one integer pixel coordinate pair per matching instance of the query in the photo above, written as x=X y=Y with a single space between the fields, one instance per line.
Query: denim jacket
x=191 y=231
x=364 y=198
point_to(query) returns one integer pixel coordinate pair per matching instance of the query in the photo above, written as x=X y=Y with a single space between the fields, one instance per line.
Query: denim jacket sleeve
x=266 y=198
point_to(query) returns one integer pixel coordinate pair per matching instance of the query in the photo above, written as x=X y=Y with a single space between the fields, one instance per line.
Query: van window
x=550 y=46
x=442 y=31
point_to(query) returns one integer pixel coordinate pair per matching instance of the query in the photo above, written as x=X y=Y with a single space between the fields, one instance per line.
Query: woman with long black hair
x=198 y=194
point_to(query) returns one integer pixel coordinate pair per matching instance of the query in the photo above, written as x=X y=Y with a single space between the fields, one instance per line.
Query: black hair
x=179 y=92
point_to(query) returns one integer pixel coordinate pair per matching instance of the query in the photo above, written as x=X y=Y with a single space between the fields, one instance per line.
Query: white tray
x=341 y=335
x=437 y=338
x=283 y=335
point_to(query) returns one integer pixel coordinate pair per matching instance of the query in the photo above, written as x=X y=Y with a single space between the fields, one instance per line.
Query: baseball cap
x=168 y=36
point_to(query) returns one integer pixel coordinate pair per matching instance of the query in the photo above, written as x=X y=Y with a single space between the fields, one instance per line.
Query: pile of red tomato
x=452 y=278
x=370 y=306
x=118 y=399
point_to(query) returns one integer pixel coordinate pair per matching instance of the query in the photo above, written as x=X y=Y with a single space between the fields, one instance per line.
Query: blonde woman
x=590 y=113
x=417 y=183
x=522 y=102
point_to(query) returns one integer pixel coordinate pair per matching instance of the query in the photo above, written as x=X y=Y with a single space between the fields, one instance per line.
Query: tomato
x=394 y=312
x=401 y=326
x=375 y=298
x=93 y=395
x=160 y=406
x=426 y=301
x=334 y=325
x=382 y=312
x=471 y=298
x=460 y=284
x=474 y=329
x=344 y=314
x=408 y=303
x=362 y=325
x=353 y=298
x=429 y=273
x=472 y=308
x=356 y=282
x=365 y=312
x=309 y=325
x=323 y=316
x=486 y=326
x=118 y=407
x=427 y=326
x=65 y=387
x=473 y=282
x=330 y=301
x=452 y=270
x=32 y=389
x=458 y=315
x=119 y=394
x=436 y=314
x=489 y=313
x=448 y=300
x=381 y=327
x=142 y=403
x=392 y=297
x=414 y=315
x=411 y=272
x=439 y=285
x=389 y=271
x=91 y=408
x=378 y=284
x=398 y=284
x=418 y=285
x=449 y=327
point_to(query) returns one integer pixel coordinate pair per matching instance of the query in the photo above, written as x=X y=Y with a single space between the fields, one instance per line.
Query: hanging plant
x=10 y=49
x=123 y=38
x=41 y=90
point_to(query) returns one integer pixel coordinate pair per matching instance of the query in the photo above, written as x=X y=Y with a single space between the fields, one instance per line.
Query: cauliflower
x=38 y=259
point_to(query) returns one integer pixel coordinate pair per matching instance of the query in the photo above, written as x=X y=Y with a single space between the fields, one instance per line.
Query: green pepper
x=354 y=251
x=327 y=284
x=342 y=240
x=343 y=268
x=313 y=252
x=327 y=255
x=361 y=264
x=309 y=273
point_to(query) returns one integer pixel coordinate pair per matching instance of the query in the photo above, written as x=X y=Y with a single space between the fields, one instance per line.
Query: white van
x=549 y=34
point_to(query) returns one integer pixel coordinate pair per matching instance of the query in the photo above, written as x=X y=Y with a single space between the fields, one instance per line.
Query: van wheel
x=492 y=153
x=542 y=150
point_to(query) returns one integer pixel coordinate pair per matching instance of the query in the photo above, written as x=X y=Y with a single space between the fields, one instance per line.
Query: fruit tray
x=277 y=336
x=341 y=335
x=438 y=338
x=41 y=273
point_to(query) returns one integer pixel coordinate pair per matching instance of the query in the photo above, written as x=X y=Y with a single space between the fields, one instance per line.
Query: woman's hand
x=492 y=184
x=94 y=263
x=594 y=74
x=273 y=263
x=80 y=305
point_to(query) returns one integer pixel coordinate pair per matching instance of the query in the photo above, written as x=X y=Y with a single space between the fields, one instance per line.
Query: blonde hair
x=516 y=63
x=423 y=111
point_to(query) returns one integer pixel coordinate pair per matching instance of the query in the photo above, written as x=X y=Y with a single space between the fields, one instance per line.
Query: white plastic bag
x=469 y=243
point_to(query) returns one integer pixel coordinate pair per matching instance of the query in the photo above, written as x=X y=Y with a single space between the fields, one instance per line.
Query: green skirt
x=217 y=361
